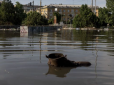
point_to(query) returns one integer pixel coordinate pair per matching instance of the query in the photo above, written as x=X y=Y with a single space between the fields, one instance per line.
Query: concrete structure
x=37 y=29
x=65 y=10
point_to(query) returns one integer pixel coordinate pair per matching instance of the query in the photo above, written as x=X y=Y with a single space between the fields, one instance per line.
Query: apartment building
x=64 y=10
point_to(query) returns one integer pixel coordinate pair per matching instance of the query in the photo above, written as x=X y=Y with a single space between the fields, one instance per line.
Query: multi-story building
x=64 y=10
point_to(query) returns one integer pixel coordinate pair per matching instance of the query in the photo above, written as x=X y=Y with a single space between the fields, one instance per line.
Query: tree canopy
x=105 y=16
x=19 y=14
x=10 y=14
x=34 y=19
x=86 y=18
x=110 y=5
x=7 y=12
x=14 y=15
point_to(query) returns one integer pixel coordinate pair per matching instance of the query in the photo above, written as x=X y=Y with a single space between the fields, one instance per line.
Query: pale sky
x=100 y=3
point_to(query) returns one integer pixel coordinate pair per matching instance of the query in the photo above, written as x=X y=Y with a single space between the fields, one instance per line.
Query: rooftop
x=31 y=5
x=66 y=6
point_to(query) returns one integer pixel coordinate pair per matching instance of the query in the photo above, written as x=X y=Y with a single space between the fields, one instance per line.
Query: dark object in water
x=59 y=71
x=59 y=60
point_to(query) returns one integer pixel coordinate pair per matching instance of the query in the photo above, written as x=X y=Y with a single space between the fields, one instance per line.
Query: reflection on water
x=59 y=71
x=22 y=57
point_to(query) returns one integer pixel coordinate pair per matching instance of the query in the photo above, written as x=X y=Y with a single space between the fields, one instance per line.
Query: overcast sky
x=100 y=3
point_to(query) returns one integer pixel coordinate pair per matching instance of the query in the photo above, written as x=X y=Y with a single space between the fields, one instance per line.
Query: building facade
x=29 y=8
x=64 y=10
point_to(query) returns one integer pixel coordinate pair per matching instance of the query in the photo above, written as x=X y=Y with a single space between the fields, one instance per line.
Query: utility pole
x=95 y=7
x=40 y=5
x=33 y=5
x=92 y=5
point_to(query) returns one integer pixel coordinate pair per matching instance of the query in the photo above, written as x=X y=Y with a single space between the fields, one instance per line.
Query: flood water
x=23 y=61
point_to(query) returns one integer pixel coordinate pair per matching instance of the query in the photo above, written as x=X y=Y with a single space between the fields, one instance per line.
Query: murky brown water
x=23 y=61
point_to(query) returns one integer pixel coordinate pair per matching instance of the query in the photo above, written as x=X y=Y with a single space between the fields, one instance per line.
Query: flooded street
x=23 y=61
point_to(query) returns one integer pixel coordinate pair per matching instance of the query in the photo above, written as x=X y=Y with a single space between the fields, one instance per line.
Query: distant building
x=28 y=8
x=64 y=10
x=0 y=1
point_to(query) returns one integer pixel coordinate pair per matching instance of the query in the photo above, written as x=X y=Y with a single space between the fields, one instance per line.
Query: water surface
x=23 y=61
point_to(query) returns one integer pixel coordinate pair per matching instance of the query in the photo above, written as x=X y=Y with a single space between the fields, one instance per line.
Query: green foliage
x=67 y=22
x=50 y=21
x=105 y=16
x=110 y=8
x=7 y=12
x=34 y=19
x=11 y=15
x=86 y=18
x=58 y=16
x=19 y=14
x=110 y=5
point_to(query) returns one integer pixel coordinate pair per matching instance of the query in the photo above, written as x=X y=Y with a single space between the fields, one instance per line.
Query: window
x=64 y=10
x=68 y=10
x=29 y=8
x=50 y=14
x=60 y=10
x=76 y=10
x=50 y=10
x=72 y=10
x=72 y=15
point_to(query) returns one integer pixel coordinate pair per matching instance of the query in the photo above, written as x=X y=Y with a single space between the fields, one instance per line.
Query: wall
x=37 y=29
x=8 y=27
